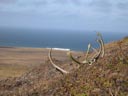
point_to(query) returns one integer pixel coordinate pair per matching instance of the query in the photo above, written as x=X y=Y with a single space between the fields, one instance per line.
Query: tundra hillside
x=105 y=77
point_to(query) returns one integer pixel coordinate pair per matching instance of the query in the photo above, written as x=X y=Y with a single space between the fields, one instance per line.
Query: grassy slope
x=16 y=61
x=107 y=77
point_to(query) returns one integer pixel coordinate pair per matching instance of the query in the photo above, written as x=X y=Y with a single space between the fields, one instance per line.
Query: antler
x=95 y=57
x=72 y=58
x=78 y=62
x=86 y=57
x=102 y=44
x=54 y=65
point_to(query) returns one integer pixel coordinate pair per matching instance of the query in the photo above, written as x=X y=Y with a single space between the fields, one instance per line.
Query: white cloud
x=41 y=6
x=68 y=13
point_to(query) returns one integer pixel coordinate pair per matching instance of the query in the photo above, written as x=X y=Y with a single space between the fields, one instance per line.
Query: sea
x=74 y=40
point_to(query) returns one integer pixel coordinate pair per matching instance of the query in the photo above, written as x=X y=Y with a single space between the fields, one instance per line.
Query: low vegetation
x=107 y=76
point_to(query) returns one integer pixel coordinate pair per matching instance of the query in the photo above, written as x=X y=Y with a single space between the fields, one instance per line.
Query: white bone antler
x=54 y=65
x=72 y=58
x=95 y=57
x=102 y=43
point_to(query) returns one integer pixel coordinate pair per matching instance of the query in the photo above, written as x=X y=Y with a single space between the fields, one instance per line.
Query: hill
x=106 y=77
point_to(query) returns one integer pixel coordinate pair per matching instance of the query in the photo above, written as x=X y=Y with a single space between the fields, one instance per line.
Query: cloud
x=7 y=1
x=101 y=5
x=122 y=5
x=76 y=2
x=31 y=3
x=67 y=7
x=61 y=1
x=66 y=13
x=122 y=8
x=42 y=6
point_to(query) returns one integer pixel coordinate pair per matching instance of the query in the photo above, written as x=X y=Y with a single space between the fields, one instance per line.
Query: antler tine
x=97 y=55
x=86 y=61
x=101 y=51
x=102 y=44
x=54 y=65
x=94 y=49
x=89 y=46
x=72 y=58
x=83 y=62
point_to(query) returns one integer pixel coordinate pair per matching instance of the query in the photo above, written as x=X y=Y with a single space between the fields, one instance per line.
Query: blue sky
x=93 y=15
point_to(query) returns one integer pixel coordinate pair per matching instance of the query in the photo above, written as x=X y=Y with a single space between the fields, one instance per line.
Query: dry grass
x=16 y=61
x=12 y=70
x=106 y=77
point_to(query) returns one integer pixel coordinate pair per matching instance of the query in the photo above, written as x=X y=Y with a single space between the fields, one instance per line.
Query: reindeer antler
x=54 y=65
x=95 y=57
x=78 y=62
x=72 y=58
x=102 y=43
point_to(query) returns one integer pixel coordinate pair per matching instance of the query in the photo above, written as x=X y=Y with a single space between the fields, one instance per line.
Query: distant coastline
x=6 y=47
x=59 y=49
x=76 y=40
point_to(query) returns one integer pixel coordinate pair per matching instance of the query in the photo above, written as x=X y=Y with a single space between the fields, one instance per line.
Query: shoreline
x=54 y=48
x=7 y=47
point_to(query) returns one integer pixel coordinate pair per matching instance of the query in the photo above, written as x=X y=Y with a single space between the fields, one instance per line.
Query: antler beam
x=102 y=43
x=54 y=65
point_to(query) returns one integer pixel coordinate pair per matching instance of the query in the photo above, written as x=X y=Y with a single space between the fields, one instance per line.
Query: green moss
x=110 y=66
x=74 y=93
x=107 y=84
x=87 y=87
x=81 y=94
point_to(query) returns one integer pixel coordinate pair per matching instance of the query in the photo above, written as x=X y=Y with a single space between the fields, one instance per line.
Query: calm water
x=75 y=40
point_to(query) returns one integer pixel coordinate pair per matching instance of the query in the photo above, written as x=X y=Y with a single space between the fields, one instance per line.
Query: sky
x=93 y=15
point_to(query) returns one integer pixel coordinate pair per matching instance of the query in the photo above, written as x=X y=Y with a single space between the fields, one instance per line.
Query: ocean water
x=74 y=40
